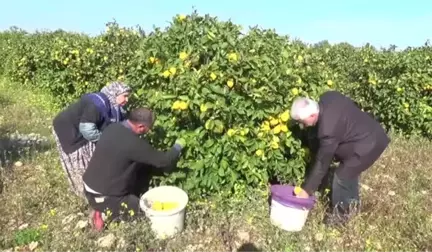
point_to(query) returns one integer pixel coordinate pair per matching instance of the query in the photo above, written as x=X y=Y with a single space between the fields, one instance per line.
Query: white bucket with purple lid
x=287 y=211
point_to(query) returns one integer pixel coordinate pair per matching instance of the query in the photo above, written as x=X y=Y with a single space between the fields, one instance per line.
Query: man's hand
x=181 y=142
x=302 y=194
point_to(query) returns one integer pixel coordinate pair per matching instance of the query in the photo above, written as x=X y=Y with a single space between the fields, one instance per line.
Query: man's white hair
x=303 y=107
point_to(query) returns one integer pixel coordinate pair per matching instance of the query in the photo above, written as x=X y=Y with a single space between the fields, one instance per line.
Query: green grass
x=37 y=207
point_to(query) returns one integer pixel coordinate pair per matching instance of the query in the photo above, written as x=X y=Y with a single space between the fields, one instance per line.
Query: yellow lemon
x=284 y=128
x=244 y=132
x=265 y=127
x=274 y=145
x=295 y=91
x=181 y=17
x=172 y=70
x=399 y=89
x=170 y=205
x=213 y=76
x=297 y=190
x=230 y=83
x=330 y=83
x=203 y=108
x=232 y=57
x=183 y=105
x=277 y=129
x=285 y=116
x=259 y=153
x=157 y=205
x=183 y=55
x=230 y=132
x=274 y=122
x=176 y=105
x=166 y=73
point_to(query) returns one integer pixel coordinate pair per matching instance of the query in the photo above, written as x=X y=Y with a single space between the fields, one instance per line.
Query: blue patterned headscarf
x=105 y=100
x=113 y=90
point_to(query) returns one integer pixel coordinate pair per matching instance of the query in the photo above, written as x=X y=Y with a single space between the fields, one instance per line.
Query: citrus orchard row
x=226 y=92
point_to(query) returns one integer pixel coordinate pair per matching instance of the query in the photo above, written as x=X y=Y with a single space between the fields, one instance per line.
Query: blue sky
x=380 y=22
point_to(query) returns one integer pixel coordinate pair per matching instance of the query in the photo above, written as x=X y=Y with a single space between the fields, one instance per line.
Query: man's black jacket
x=347 y=133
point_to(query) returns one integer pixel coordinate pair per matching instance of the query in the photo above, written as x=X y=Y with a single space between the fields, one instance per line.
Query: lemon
x=274 y=122
x=231 y=132
x=203 y=108
x=265 y=127
x=172 y=70
x=330 y=83
x=285 y=116
x=244 y=132
x=183 y=55
x=183 y=105
x=399 y=89
x=176 y=105
x=259 y=153
x=213 y=76
x=232 y=57
x=170 y=205
x=181 y=17
x=166 y=73
x=284 y=128
x=295 y=91
x=297 y=190
x=164 y=206
x=157 y=205
x=230 y=83
x=277 y=129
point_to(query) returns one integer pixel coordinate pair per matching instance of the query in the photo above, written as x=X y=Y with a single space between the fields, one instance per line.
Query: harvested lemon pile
x=164 y=206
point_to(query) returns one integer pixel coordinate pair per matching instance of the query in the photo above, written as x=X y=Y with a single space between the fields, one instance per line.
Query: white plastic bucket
x=167 y=223
x=287 y=218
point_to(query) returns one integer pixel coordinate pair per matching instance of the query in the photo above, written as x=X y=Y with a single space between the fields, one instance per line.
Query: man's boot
x=96 y=220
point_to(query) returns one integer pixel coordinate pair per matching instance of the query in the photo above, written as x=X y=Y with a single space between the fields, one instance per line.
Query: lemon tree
x=226 y=93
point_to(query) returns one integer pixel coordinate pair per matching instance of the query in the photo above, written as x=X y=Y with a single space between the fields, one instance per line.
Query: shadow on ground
x=16 y=147
x=246 y=247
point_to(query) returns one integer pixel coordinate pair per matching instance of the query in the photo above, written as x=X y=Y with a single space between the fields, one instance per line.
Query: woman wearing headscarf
x=77 y=128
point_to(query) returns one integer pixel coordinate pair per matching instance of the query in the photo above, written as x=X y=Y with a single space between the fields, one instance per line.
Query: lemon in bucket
x=164 y=206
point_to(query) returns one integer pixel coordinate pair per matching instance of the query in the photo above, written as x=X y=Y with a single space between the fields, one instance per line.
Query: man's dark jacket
x=348 y=134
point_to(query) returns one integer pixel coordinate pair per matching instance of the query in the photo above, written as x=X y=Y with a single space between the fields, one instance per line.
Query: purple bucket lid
x=284 y=194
